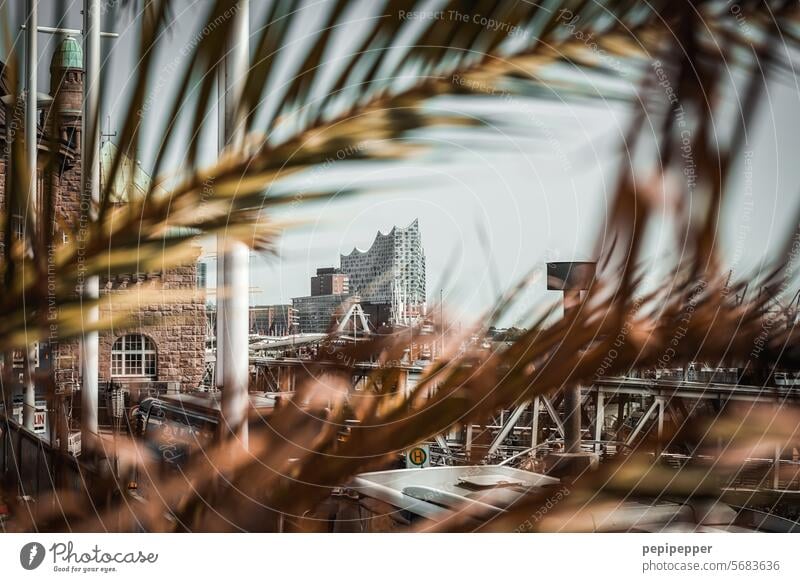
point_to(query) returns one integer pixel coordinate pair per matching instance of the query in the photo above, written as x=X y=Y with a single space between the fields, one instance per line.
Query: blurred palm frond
x=370 y=102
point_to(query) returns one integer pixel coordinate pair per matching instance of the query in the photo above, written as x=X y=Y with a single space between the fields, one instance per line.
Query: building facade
x=156 y=343
x=391 y=272
x=330 y=281
x=273 y=320
x=330 y=297
x=318 y=313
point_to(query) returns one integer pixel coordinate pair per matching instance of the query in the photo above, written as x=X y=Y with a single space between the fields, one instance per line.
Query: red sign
x=38 y=421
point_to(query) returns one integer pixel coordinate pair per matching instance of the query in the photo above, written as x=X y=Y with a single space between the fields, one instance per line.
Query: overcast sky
x=539 y=194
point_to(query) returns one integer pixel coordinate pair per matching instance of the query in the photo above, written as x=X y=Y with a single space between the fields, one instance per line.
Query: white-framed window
x=133 y=355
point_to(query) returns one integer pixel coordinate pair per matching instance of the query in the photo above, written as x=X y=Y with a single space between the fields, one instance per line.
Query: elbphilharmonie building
x=391 y=272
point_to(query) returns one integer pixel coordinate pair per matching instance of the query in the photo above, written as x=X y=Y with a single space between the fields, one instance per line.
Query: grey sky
x=539 y=194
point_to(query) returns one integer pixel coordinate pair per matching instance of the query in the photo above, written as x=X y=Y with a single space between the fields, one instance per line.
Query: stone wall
x=178 y=328
x=176 y=325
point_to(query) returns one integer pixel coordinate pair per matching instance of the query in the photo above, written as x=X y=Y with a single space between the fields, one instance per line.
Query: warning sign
x=419 y=456
x=39 y=421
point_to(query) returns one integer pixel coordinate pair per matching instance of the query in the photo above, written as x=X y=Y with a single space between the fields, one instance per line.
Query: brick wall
x=178 y=329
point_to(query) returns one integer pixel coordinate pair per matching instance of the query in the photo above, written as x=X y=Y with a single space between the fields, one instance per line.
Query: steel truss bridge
x=618 y=415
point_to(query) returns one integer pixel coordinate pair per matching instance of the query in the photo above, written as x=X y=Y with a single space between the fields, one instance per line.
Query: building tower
x=63 y=124
x=66 y=86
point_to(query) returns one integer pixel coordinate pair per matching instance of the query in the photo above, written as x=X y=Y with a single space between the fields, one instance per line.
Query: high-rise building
x=391 y=272
x=330 y=281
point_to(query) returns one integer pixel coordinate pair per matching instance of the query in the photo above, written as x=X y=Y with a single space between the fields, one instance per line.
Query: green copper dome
x=68 y=55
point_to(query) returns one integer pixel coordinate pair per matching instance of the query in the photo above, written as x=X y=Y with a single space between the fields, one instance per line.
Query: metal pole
x=236 y=267
x=441 y=318
x=551 y=410
x=69 y=31
x=572 y=419
x=599 y=419
x=506 y=429
x=572 y=394
x=90 y=183
x=660 y=427
x=220 y=329
x=642 y=421
x=31 y=110
x=32 y=206
x=535 y=422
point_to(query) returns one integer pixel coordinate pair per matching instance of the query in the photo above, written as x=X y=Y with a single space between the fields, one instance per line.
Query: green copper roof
x=68 y=55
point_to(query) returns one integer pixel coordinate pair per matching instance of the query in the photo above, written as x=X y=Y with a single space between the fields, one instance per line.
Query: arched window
x=133 y=355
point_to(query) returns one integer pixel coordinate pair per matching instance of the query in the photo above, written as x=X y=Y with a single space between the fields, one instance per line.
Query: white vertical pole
x=220 y=330
x=90 y=182
x=236 y=357
x=236 y=260
x=31 y=137
x=31 y=116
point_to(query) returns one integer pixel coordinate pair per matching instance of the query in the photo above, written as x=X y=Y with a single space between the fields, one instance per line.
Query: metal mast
x=32 y=207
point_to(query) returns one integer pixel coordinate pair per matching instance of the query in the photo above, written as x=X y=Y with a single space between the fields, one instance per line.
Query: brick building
x=163 y=343
x=330 y=281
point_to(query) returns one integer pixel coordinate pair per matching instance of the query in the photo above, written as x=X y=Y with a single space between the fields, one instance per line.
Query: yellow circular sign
x=418 y=456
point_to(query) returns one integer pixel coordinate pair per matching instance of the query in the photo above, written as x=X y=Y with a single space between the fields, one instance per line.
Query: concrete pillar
x=236 y=353
x=235 y=254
